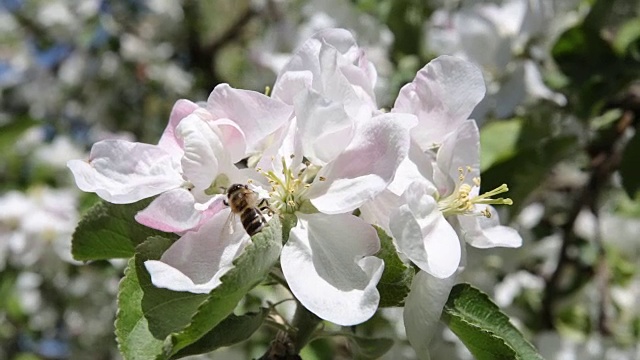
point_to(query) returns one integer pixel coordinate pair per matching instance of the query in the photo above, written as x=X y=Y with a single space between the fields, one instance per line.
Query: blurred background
x=559 y=126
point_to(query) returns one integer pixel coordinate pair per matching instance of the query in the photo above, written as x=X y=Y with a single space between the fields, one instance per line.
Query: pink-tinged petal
x=290 y=84
x=232 y=138
x=422 y=309
x=415 y=167
x=423 y=234
x=203 y=151
x=197 y=260
x=305 y=58
x=366 y=166
x=483 y=41
x=257 y=114
x=482 y=232
x=377 y=211
x=181 y=109
x=334 y=66
x=362 y=75
x=358 y=99
x=287 y=146
x=322 y=122
x=123 y=172
x=460 y=150
x=442 y=96
x=172 y=211
x=328 y=265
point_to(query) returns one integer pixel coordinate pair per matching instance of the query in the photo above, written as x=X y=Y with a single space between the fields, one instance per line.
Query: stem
x=287 y=344
x=305 y=323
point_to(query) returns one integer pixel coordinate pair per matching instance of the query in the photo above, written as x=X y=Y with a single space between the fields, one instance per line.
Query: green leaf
x=629 y=169
x=395 y=282
x=166 y=311
x=135 y=341
x=628 y=34
x=370 y=348
x=250 y=269
x=12 y=131
x=483 y=328
x=109 y=231
x=498 y=140
x=231 y=330
x=527 y=168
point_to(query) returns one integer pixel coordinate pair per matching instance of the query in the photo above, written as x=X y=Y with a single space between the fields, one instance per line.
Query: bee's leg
x=225 y=202
x=264 y=205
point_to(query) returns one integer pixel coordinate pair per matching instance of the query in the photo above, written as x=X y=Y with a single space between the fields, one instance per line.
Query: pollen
x=289 y=186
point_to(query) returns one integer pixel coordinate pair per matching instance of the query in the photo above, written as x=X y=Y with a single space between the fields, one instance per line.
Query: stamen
x=460 y=202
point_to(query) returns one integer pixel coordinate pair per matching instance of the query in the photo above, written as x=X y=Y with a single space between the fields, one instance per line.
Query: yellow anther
x=460 y=202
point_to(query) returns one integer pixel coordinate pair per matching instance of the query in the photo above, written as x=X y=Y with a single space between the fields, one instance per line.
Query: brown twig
x=605 y=160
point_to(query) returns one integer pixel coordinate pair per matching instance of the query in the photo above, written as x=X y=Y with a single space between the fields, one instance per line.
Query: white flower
x=192 y=160
x=336 y=154
x=33 y=224
x=496 y=39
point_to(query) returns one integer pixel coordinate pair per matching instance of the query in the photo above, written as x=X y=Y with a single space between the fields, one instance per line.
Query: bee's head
x=235 y=187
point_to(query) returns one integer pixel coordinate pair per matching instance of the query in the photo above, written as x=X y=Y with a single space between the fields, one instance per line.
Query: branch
x=605 y=160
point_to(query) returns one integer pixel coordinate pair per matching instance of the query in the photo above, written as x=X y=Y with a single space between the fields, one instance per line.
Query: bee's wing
x=228 y=228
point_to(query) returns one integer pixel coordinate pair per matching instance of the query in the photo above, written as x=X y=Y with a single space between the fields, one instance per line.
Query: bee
x=246 y=203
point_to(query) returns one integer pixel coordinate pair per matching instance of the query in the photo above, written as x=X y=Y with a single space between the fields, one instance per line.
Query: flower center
x=461 y=202
x=289 y=188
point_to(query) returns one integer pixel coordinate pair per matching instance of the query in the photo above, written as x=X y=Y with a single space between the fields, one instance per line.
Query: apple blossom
x=338 y=153
x=436 y=190
x=193 y=159
x=33 y=224
x=501 y=40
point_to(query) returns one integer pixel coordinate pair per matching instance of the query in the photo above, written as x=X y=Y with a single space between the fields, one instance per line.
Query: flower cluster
x=510 y=52
x=318 y=148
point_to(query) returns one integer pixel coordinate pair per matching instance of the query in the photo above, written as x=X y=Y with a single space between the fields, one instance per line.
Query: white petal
x=460 y=150
x=377 y=211
x=366 y=166
x=483 y=41
x=512 y=92
x=305 y=58
x=203 y=151
x=423 y=234
x=536 y=86
x=123 y=172
x=328 y=266
x=334 y=66
x=181 y=109
x=442 y=96
x=482 y=232
x=292 y=83
x=257 y=114
x=322 y=122
x=422 y=309
x=233 y=139
x=197 y=260
x=356 y=98
x=416 y=166
x=172 y=211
